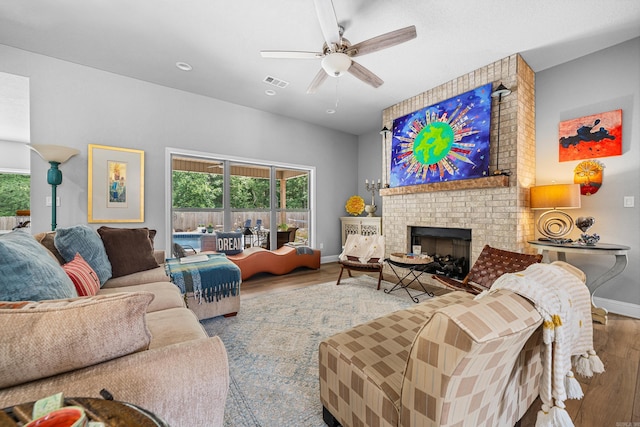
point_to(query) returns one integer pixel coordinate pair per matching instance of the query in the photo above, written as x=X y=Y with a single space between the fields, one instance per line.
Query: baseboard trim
x=618 y=307
x=328 y=259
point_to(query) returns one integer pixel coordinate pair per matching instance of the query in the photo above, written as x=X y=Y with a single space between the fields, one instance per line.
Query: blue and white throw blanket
x=209 y=280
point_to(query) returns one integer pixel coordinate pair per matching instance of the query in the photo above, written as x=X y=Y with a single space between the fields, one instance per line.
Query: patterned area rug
x=273 y=347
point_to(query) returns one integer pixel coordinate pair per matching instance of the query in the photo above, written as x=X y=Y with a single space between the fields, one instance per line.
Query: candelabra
x=373 y=187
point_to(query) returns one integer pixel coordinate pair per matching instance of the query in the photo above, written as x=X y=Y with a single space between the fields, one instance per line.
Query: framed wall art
x=598 y=135
x=446 y=141
x=116 y=184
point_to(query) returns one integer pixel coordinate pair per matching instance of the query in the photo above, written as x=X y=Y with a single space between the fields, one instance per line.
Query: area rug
x=273 y=347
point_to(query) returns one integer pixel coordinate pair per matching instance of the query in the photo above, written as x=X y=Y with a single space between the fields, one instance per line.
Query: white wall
x=74 y=106
x=603 y=81
x=370 y=166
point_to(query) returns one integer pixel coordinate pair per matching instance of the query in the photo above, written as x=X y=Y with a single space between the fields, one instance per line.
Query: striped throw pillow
x=82 y=275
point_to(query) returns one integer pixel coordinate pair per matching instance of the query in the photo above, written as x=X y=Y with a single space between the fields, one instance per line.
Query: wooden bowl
x=410 y=258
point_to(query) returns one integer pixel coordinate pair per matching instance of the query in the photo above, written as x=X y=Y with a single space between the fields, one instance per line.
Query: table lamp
x=55 y=155
x=555 y=224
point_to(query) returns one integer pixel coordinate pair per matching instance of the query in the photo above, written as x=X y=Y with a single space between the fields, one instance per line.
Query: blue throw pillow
x=229 y=243
x=80 y=239
x=28 y=272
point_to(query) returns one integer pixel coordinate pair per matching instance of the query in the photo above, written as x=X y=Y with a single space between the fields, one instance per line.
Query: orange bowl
x=70 y=416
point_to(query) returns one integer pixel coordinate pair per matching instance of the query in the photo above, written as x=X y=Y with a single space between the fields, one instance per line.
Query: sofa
x=453 y=360
x=134 y=337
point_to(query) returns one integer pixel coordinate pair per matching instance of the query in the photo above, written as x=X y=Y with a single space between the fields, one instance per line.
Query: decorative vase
x=370 y=210
x=585 y=223
x=588 y=239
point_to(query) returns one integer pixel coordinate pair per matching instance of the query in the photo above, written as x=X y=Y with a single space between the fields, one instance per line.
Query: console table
x=618 y=251
x=365 y=226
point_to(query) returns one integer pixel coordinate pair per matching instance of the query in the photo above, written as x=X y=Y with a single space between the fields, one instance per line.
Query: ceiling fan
x=337 y=51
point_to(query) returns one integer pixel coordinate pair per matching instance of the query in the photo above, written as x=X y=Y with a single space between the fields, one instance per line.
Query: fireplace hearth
x=450 y=249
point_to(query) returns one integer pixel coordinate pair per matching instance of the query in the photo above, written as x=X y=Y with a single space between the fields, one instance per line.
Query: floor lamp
x=55 y=155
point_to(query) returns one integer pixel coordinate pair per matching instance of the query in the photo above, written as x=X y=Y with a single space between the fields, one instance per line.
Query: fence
x=10 y=222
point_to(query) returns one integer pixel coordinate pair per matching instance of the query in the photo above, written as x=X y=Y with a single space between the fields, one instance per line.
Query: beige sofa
x=135 y=338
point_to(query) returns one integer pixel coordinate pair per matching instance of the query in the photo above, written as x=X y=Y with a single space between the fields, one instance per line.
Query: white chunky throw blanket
x=564 y=303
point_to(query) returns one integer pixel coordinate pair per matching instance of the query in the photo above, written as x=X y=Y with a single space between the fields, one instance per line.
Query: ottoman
x=210 y=284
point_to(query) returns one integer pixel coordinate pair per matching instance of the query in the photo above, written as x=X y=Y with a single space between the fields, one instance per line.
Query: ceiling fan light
x=336 y=64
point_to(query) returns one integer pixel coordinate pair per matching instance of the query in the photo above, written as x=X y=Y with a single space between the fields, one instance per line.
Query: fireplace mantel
x=463 y=184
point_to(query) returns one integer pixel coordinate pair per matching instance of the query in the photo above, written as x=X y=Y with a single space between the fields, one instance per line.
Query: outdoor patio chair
x=287 y=236
x=180 y=251
x=491 y=264
x=362 y=253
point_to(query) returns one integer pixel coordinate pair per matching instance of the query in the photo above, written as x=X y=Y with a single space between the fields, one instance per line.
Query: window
x=292 y=195
x=269 y=203
x=15 y=192
x=15 y=160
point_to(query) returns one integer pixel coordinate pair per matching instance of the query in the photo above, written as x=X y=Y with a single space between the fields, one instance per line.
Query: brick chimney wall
x=497 y=215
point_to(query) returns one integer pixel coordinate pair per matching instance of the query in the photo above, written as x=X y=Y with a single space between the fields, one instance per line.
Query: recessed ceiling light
x=270 y=92
x=331 y=111
x=184 y=66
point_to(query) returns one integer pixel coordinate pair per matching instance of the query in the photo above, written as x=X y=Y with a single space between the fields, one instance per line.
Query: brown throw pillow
x=46 y=240
x=130 y=250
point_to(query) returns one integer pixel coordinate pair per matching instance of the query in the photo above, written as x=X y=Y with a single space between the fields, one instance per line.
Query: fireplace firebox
x=450 y=249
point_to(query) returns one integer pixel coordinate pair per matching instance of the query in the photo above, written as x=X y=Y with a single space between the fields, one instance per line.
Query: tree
x=196 y=190
x=204 y=190
x=249 y=193
x=298 y=192
x=15 y=191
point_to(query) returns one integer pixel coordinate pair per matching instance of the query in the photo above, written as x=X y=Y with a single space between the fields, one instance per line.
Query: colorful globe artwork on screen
x=443 y=142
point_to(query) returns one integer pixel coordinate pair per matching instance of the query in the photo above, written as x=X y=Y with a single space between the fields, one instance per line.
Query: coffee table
x=110 y=412
x=413 y=270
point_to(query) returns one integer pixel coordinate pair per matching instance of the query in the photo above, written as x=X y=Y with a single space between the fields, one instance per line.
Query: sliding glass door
x=270 y=204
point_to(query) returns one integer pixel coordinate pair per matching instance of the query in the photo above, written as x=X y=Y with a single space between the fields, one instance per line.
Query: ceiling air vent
x=275 y=82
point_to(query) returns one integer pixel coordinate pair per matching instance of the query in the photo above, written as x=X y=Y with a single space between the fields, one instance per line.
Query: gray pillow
x=28 y=272
x=83 y=240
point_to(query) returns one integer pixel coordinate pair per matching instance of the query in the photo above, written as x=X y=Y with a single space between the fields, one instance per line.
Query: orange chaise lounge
x=281 y=261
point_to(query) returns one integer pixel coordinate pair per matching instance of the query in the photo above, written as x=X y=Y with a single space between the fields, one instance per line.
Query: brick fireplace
x=494 y=208
x=450 y=247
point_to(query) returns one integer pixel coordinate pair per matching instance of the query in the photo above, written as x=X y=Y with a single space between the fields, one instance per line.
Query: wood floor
x=611 y=399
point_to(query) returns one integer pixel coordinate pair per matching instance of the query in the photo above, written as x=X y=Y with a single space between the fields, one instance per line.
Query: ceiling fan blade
x=383 y=41
x=328 y=23
x=365 y=75
x=283 y=54
x=317 y=81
